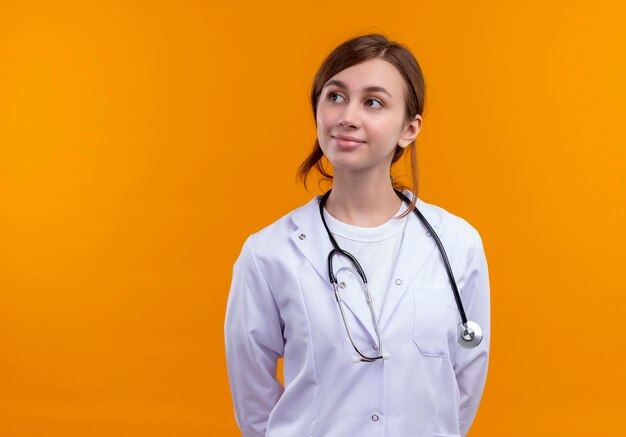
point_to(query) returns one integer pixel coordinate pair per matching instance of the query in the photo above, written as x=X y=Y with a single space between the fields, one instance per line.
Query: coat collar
x=312 y=241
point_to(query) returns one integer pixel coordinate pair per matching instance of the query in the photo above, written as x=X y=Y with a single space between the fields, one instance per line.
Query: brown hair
x=355 y=51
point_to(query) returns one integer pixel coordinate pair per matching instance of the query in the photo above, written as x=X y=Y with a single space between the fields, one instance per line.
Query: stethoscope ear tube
x=331 y=270
x=333 y=280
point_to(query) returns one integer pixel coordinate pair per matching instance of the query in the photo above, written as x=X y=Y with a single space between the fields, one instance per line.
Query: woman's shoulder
x=280 y=231
x=434 y=213
x=276 y=237
x=452 y=224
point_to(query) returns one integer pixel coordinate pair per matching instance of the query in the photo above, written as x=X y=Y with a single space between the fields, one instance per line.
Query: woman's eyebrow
x=342 y=85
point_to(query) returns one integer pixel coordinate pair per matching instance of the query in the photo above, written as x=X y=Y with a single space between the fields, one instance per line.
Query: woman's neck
x=362 y=200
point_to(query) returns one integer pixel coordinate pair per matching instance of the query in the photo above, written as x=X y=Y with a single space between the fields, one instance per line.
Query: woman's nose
x=349 y=117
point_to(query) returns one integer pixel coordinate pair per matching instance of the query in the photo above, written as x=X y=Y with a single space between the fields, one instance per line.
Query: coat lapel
x=311 y=239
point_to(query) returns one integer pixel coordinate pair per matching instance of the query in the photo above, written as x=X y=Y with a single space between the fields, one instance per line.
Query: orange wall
x=141 y=142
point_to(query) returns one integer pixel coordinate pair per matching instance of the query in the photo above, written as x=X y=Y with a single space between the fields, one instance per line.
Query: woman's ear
x=410 y=131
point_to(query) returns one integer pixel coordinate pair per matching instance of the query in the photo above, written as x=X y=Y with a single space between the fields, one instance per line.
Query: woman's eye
x=374 y=103
x=332 y=96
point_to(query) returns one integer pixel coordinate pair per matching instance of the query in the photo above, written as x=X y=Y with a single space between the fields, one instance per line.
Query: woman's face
x=361 y=117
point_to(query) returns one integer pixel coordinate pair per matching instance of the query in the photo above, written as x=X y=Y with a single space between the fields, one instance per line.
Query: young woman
x=353 y=289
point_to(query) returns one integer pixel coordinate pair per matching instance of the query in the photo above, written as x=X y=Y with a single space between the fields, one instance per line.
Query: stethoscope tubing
x=333 y=280
x=455 y=290
x=469 y=333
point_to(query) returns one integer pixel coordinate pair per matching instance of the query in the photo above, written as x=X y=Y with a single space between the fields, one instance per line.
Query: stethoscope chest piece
x=469 y=335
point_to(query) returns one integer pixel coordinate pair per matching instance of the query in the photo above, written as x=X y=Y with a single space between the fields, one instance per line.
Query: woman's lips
x=346 y=142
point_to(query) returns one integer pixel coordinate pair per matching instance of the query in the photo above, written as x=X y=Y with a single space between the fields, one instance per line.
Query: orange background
x=142 y=142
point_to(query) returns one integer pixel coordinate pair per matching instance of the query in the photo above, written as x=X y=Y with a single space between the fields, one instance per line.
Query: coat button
x=398 y=281
x=428 y=234
x=302 y=236
x=375 y=346
x=342 y=285
x=375 y=418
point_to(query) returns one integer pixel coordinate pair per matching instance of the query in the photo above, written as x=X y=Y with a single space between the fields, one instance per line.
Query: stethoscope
x=469 y=334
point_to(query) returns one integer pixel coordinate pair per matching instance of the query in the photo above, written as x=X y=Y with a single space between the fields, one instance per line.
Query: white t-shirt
x=375 y=248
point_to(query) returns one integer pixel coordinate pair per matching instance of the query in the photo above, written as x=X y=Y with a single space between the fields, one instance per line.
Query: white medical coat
x=281 y=304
